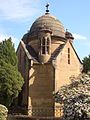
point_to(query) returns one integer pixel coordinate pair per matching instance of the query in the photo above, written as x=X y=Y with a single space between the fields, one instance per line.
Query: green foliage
x=11 y=80
x=86 y=64
x=76 y=98
x=7 y=52
x=3 y=112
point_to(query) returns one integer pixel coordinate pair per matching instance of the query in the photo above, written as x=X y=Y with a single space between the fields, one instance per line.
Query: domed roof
x=49 y=22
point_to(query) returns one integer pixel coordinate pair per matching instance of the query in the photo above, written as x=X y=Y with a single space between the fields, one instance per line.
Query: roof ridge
x=56 y=52
x=25 y=49
x=32 y=52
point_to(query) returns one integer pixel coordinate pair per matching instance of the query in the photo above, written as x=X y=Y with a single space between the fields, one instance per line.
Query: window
x=48 y=46
x=43 y=49
x=48 y=41
x=45 y=45
x=68 y=55
x=47 y=50
x=43 y=41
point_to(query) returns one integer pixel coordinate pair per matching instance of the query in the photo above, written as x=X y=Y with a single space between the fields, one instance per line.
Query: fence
x=46 y=111
x=24 y=117
x=38 y=113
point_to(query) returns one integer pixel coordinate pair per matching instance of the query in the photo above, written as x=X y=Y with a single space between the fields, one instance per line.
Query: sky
x=17 y=16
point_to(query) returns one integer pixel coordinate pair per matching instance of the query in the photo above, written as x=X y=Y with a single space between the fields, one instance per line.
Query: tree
x=11 y=80
x=75 y=98
x=86 y=64
x=7 y=52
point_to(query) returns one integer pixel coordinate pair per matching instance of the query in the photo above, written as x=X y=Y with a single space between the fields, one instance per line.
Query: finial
x=47 y=10
x=66 y=30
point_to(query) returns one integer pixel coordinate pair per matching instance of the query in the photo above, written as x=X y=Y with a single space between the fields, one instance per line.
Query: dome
x=49 y=22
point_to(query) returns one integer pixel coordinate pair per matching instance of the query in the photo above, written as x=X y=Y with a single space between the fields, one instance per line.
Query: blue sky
x=17 y=16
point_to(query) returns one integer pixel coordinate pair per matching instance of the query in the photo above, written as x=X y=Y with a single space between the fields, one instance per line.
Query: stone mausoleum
x=46 y=60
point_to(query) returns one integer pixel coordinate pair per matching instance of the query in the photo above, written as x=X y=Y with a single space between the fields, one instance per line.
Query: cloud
x=79 y=37
x=18 y=9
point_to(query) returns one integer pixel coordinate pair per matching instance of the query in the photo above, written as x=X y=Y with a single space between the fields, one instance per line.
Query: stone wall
x=41 y=87
x=64 y=70
x=22 y=67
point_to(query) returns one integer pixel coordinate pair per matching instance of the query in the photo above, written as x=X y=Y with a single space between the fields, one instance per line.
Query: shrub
x=76 y=98
x=3 y=112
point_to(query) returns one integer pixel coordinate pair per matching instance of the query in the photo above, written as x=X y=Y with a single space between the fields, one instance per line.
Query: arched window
x=45 y=45
x=48 y=46
x=48 y=41
x=43 y=41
